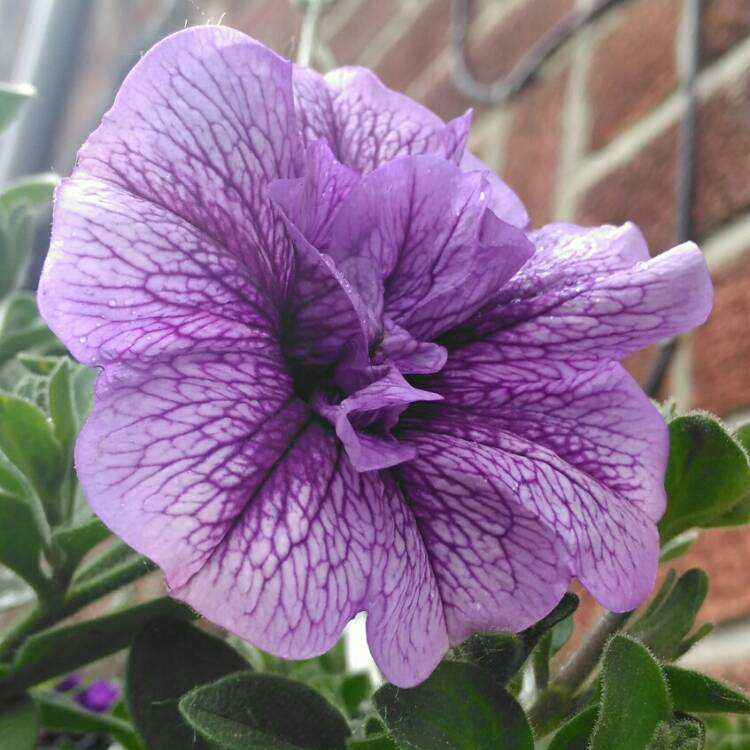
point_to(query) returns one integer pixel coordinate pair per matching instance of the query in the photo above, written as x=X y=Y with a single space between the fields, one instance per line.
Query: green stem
x=553 y=702
x=77 y=598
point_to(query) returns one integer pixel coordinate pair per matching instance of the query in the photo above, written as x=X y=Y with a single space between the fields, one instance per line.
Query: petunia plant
x=335 y=371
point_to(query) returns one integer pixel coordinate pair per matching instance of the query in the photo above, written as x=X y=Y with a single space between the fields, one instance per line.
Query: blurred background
x=593 y=110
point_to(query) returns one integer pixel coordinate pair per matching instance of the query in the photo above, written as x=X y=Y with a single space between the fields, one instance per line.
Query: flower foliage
x=338 y=370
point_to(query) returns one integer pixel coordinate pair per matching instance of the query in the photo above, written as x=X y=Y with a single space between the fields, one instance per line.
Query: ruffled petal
x=599 y=421
x=200 y=126
x=612 y=546
x=364 y=420
x=174 y=450
x=327 y=323
x=426 y=226
x=411 y=357
x=498 y=566
x=588 y=297
x=127 y=280
x=317 y=543
x=501 y=199
x=366 y=124
x=311 y=202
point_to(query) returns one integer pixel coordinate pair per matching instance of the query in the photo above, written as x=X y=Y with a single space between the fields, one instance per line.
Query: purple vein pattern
x=339 y=373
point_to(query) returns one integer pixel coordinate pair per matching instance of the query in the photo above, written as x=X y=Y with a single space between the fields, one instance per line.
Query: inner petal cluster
x=385 y=263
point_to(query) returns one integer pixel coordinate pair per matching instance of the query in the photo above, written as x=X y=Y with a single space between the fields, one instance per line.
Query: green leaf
x=73 y=543
x=459 y=707
x=682 y=733
x=708 y=474
x=26 y=438
x=374 y=742
x=500 y=654
x=12 y=98
x=116 y=555
x=31 y=192
x=38 y=364
x=678 y=546
x=22 y=541
x=670 y=618
x=265 y=711
x=19 y=724
x=503 y=654
x=59 y=712
x=634 y=697
x=699 y=693
x=354 y=690
x=64 y=649
x=21 y=328
x=739 y=515
x=168 y=659
x=575 y=734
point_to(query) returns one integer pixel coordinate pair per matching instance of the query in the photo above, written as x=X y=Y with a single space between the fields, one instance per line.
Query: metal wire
x=686 y=174
x=523 y=73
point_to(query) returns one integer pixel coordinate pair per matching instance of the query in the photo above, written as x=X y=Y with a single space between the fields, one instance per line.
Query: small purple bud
x=98 y=696
x=68 y=683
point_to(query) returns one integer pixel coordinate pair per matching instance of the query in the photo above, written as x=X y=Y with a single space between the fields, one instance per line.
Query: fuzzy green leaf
x=707 y=476
x=248 y=710
x=635 y=698
x=459 y=707
x=699 y=693
x=168 y=659
x=670 y=618
x=575 y=734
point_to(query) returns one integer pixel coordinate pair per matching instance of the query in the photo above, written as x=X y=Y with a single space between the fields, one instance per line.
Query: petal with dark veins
x=612 y=546
x=404 y=352
x=200 y=126
x=585 y=298
x=426 y=226
x=498 y=566
x=366 y=125
x=317 y=543
x=311 y=202
x=173 y=449
x=599 y=421
x=128 y=280
x=327 y=321
x=502 y=200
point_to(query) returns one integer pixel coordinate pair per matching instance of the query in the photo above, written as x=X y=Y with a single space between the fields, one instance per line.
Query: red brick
x=722 y=168
x=735 y=673
x=723 y=24
x=277 y=24
x=418 y=46
x=444 y=99
x=493 y=54
x=641 y=190
x=721 y=347
x=632 y=68
x=724 y=554
x=353 y=37
x=533 y=145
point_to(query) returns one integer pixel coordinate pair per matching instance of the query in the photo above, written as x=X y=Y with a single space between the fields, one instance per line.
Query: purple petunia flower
x=339 y=373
